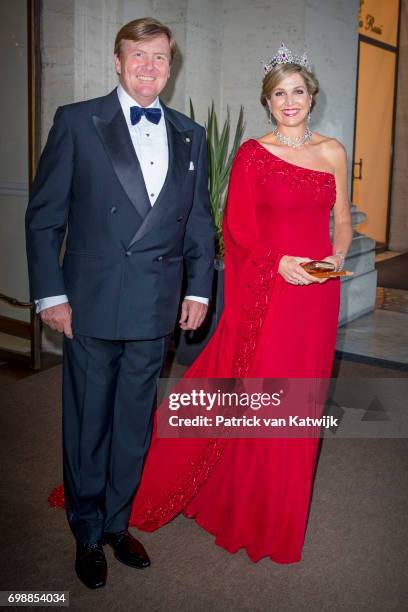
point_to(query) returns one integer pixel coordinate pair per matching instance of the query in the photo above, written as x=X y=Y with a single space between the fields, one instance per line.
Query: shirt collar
x=126 y=101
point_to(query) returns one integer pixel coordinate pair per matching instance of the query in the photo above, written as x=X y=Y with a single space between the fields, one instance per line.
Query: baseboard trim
x=375 y=361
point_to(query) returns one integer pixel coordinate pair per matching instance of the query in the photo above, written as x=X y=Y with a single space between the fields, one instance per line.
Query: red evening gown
x=254 y=493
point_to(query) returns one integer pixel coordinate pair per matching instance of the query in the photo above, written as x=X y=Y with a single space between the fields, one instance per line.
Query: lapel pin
x=188 y=139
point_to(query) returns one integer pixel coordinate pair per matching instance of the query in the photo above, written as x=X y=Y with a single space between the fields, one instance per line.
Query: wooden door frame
x=395 y=50
x=34 y=86
x=8 y=325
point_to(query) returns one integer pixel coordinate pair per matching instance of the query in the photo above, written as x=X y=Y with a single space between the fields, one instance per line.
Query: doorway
x=375 y=114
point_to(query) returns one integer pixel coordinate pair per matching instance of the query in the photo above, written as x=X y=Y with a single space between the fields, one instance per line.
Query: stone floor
x=380 y=336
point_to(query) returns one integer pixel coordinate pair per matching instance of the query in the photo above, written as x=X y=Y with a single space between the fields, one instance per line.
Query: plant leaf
x=192 y=114
x=220 y=158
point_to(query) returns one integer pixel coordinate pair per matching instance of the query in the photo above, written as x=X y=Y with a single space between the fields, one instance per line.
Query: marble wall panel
x=203 y=56
x=222 y=45
x=77 y=52
x=57 y=59
x=252 y=33
x=331 y=37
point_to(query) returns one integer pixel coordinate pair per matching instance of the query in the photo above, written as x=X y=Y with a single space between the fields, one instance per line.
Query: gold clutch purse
x=323 y=269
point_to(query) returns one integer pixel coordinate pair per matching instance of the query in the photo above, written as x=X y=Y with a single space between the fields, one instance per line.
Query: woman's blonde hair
x=280 y=72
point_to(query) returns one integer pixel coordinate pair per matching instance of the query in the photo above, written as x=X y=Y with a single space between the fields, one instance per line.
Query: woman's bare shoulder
x=332 y=149
x=330 y=145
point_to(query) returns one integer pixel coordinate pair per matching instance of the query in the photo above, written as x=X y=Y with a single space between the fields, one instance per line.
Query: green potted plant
x=220 y=157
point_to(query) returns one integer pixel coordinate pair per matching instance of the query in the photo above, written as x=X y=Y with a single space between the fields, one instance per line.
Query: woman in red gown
x=278 y=322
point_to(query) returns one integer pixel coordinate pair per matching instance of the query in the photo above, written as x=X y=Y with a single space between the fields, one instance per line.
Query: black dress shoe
x=90 y=565
x=127 y=549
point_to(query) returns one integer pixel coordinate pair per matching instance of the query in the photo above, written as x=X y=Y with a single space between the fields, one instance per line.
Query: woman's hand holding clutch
x=292 y=270
x=330 y=267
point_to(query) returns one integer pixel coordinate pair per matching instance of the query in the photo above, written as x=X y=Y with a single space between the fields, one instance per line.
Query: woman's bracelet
x=342 y=257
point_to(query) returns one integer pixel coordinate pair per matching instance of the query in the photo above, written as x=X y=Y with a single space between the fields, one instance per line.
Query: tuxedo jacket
x=124 y=259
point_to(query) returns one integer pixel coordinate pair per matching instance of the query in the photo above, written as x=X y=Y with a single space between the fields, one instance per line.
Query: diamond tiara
x=285 y=56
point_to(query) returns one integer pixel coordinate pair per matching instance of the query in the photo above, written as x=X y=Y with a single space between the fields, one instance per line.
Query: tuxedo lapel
x=179 y=143
x=114 y=133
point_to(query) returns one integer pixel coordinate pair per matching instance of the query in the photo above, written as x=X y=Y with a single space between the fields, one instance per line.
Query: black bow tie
x=151 y=114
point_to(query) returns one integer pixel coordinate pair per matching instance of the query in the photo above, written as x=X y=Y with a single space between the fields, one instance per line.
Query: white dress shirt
x=150 y=143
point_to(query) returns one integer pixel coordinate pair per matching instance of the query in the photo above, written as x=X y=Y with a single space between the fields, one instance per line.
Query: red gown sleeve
x=251 y=267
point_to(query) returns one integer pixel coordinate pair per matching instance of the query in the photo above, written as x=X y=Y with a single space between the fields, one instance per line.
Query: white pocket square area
x=191 y=166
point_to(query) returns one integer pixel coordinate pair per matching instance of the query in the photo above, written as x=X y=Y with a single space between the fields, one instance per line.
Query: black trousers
x=109 y=390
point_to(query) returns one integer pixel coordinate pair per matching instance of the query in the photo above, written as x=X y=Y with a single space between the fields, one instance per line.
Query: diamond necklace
x=296 y=142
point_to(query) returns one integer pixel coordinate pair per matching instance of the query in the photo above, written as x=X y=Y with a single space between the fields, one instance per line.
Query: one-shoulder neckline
x=290 y=163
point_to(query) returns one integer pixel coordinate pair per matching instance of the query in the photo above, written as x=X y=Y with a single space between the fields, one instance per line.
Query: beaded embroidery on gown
x=254 y=493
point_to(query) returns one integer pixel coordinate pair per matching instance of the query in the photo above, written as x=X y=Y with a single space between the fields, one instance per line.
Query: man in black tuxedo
x=128 y=177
